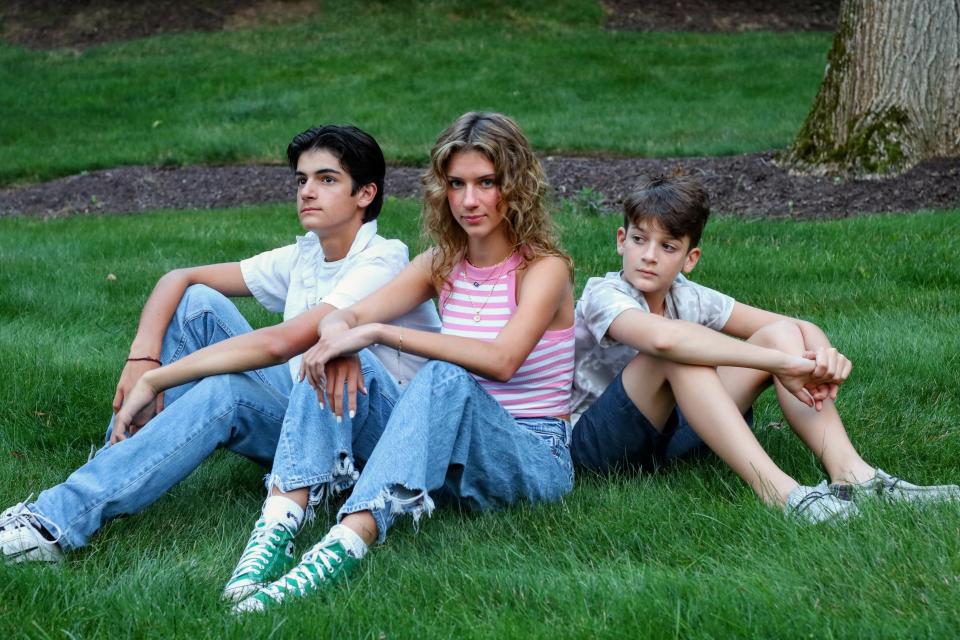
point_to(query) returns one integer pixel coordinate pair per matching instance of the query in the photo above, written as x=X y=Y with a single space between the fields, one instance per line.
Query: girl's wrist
x=379 y=333
x=149 y=379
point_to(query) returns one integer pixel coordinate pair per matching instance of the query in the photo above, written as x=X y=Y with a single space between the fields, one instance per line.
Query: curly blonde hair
x=519 y=177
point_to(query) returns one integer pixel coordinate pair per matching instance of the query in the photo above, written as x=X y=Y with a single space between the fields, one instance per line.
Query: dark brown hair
x=678 y=203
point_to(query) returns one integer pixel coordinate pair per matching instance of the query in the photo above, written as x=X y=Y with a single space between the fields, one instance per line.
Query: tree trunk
x=890 y=95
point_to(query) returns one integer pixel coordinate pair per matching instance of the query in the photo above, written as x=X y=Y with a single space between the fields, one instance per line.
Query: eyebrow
x=319 y=172
x=637 y=229
x=492 y=176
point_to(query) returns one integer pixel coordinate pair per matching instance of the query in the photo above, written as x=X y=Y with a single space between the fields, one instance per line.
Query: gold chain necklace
x=476 y=283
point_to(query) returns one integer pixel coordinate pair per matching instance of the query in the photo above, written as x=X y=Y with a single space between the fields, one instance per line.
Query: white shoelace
x=19 y=516
x=302 y=576
x=258 y=550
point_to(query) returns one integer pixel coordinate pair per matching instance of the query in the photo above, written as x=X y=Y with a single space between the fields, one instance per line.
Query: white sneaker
x=894 y=489
x=21 y=541
x=816 y=505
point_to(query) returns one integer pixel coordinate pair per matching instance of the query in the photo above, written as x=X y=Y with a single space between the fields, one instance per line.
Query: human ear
x=366 y=194
x=693 y=256
x=621 y=238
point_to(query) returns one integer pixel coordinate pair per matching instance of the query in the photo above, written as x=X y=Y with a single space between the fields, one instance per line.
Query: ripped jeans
x=448 y=440
x=316 y=451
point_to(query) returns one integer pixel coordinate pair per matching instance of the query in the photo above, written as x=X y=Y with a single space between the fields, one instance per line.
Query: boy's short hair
x=680 y=204
x=358 y=153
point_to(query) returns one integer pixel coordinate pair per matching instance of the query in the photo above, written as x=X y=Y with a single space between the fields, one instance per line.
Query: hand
x=132 y=372
x=340 y=372
x=796 y=378
x=314 y=363
x=832 y=369
x=136 y=410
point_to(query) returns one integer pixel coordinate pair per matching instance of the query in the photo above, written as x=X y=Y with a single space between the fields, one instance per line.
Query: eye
x=487 y=183
x=455 y=183
x=637 y=238
x=669 y=248
x=327 y=179
x=301 y=181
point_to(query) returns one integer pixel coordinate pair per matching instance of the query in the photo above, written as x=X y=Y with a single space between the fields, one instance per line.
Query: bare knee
x=782 y=334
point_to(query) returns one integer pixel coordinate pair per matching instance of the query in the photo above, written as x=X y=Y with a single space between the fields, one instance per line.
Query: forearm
x=337 y=320
x=242 y=353
x=157 y=312
x=691 y=343
x=488 y=359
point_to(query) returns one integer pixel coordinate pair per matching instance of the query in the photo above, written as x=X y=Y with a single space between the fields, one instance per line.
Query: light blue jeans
x=243 y=412
x=316 y=451
x=448 y=440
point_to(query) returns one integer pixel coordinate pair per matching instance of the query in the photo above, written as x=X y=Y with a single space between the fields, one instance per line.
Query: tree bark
x=890 y=95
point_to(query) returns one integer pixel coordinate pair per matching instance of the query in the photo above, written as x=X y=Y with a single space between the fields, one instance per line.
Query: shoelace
x=19 y=516
x=302 y=576
x=892 y=487
x=808 y=500
x=258 y=552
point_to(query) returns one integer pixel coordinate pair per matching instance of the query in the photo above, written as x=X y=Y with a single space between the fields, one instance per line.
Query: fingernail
x=321 y=406
x=339 y=419
x=352 y=413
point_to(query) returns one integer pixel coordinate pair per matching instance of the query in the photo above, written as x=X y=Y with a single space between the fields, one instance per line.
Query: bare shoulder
x=547 y=283
x=548 y=267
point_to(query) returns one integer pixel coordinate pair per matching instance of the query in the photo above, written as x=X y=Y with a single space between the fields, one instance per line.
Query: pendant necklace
x=476 y=284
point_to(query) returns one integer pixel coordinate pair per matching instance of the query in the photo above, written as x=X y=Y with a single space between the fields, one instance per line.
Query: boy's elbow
x=176 y=275
x=665 y=341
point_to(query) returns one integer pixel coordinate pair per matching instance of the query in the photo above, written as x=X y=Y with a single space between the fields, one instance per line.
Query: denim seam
x=120 y=490
x=197 y=313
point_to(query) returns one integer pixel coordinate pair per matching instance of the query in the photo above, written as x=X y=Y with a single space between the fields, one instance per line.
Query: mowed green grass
x=687 y=552
x=403 y=71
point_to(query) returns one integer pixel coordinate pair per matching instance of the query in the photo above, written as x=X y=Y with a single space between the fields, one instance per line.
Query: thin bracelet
x=145 y=359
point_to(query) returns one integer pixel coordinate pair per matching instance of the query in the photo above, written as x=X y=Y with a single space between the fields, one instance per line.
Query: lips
x=472 y=219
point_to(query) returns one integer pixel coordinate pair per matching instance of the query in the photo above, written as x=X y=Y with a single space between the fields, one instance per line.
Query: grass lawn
x=683 y=553
x=403 y=71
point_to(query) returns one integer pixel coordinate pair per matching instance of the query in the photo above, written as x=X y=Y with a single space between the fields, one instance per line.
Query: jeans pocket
x=554 y=431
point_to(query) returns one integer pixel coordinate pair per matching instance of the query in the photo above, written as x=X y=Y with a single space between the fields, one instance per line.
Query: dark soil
x=722 y=15
x=53 y=24
x=750 y=185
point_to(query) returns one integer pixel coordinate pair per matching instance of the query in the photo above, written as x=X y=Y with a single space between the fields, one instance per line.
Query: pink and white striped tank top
x=477 y=303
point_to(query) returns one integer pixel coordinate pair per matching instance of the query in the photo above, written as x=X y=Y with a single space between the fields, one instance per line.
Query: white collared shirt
x=295 y=278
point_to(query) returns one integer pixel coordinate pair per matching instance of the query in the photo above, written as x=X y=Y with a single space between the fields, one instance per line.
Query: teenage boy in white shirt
x=650 y=341
x=339 y=173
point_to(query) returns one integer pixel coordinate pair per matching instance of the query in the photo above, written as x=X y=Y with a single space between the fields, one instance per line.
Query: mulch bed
x=724 y=16
x=77 y=24
x=750 y=185
x=51 y=24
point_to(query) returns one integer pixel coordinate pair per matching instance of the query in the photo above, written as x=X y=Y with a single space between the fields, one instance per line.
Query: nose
x=308 y=190
x=649 y=252
x=470 y=197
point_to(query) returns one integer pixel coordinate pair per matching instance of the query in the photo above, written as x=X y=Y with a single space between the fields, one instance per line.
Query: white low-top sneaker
x=817 y=504
x=21 y=540
x=894 y=489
